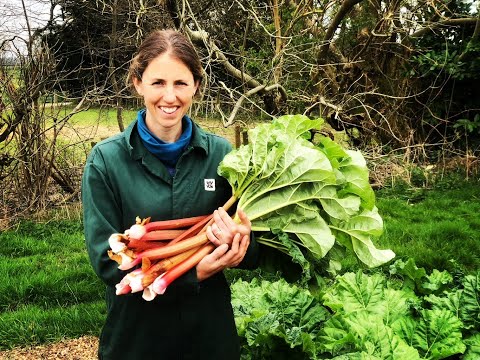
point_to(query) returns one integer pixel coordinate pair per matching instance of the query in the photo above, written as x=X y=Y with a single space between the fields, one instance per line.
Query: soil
x=83 y=348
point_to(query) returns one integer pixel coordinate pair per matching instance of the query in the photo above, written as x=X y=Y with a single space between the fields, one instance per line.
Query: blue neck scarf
x=168 y=153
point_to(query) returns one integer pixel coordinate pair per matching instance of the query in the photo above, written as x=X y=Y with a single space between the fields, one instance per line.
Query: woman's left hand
x=223 y=229
x=231 y=240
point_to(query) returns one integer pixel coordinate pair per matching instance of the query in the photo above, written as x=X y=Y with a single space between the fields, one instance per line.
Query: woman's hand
x=223 y=229
x=232 y=241
x=223 y=257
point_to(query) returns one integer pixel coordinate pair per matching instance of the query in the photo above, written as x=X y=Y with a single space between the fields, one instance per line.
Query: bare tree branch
x=345 y=8
x=439 y=24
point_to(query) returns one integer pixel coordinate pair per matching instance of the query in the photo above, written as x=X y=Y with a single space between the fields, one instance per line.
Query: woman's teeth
x=169 y=110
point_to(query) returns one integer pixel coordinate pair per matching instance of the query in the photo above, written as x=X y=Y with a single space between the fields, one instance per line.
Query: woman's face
x=167 y=87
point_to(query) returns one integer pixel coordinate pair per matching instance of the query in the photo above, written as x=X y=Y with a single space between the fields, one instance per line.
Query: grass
x=48 y=290
x=439 y=228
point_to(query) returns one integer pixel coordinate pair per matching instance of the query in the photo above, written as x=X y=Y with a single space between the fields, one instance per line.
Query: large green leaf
x=281 y=314
x=438 y=334
x=473 y=347
x=357 y=292
x=376 y=339
x=280 y=175
x=470 y=312
x=357 y=233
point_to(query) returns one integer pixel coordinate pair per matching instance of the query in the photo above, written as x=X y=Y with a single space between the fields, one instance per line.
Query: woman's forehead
x=168 y=66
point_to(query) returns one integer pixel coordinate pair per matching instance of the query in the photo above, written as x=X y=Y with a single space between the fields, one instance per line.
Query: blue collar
x=168 y=153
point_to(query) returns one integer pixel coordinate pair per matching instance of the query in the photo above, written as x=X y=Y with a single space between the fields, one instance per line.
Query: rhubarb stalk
x=161 y=283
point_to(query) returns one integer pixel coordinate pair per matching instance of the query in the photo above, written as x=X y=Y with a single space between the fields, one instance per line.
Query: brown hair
x=160 y=42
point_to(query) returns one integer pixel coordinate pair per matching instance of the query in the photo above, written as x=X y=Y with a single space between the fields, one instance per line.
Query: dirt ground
x=84 y=348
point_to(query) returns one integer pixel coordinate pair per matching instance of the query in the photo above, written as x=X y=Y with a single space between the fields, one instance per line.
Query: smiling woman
x=159 y=167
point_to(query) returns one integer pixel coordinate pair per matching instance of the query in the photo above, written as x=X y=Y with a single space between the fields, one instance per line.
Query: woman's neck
x=166 y=134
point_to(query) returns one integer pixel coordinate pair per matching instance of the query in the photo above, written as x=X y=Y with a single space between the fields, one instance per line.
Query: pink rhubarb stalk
x=164 y=265
x=143 y=227
x=164 y=251
x=117 y=242
x=161 y=283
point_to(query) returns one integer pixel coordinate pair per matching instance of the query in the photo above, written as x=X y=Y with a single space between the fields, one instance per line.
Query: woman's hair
x=160 y=42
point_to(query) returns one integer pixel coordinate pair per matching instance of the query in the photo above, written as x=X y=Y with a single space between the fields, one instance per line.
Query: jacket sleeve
x=251 y=259
x=101 y=218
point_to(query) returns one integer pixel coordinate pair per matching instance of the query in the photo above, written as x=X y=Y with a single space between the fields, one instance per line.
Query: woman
x=164 y=166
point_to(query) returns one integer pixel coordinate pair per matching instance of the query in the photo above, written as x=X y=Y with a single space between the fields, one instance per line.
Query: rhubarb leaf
x=473 y=347
x=356 y=233
x=470 y=311
x=376 y=339
x=438 y=334
x=357 y=292
x=280 y=171
x=281 y=314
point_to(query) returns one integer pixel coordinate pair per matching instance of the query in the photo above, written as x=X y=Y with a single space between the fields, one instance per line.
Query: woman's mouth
x=169 y=109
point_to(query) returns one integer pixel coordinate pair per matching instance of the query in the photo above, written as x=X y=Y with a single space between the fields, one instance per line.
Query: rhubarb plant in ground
x=305 y=199
x=408 y=314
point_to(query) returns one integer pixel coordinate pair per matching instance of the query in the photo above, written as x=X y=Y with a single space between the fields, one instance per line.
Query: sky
x=13 y=24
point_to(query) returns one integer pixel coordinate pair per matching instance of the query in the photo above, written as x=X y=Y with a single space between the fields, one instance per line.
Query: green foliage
x=317 y=195
x=49 y=292
x=445 y=60
x=273 y=317
x=468 y=126
x=360 y=316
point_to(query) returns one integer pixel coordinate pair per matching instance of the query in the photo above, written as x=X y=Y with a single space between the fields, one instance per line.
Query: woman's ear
x=197 y=85
x=138 y=85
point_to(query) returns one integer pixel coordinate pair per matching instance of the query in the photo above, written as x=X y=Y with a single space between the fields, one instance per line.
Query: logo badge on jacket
x=209 y=184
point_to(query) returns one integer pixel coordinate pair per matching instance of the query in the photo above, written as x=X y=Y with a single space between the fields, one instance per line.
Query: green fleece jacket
x=122 y=180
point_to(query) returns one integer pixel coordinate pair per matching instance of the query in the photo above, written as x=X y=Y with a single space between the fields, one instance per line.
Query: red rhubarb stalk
x=192 y=231
x=166 y=251
x=174 y=223
x=162 y=235
x=161 y=283
x=164 y=265
x=139 y=245
x=142 y=227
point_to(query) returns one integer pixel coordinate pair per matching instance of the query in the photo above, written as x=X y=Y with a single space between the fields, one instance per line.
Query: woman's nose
x=169 y=94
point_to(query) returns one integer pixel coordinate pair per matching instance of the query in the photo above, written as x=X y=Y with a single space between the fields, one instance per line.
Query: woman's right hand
x=223 y=257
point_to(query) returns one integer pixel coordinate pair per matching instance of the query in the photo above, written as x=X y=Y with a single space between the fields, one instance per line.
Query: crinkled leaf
x=336 y=336
x=339 y=208
x=473 y=347
x=377 y=339
x=436 y=281
x=334 y=151
x=357 y=292
x=451 y=300
x=280 y=169
x=471 y=301
x=298 y=125
x=302 y=221
x=438 y=334
x=283 y=313
x=405 y=327
x=357 y=232
x=412 y=274
x=356 y=180
x=396 y=305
